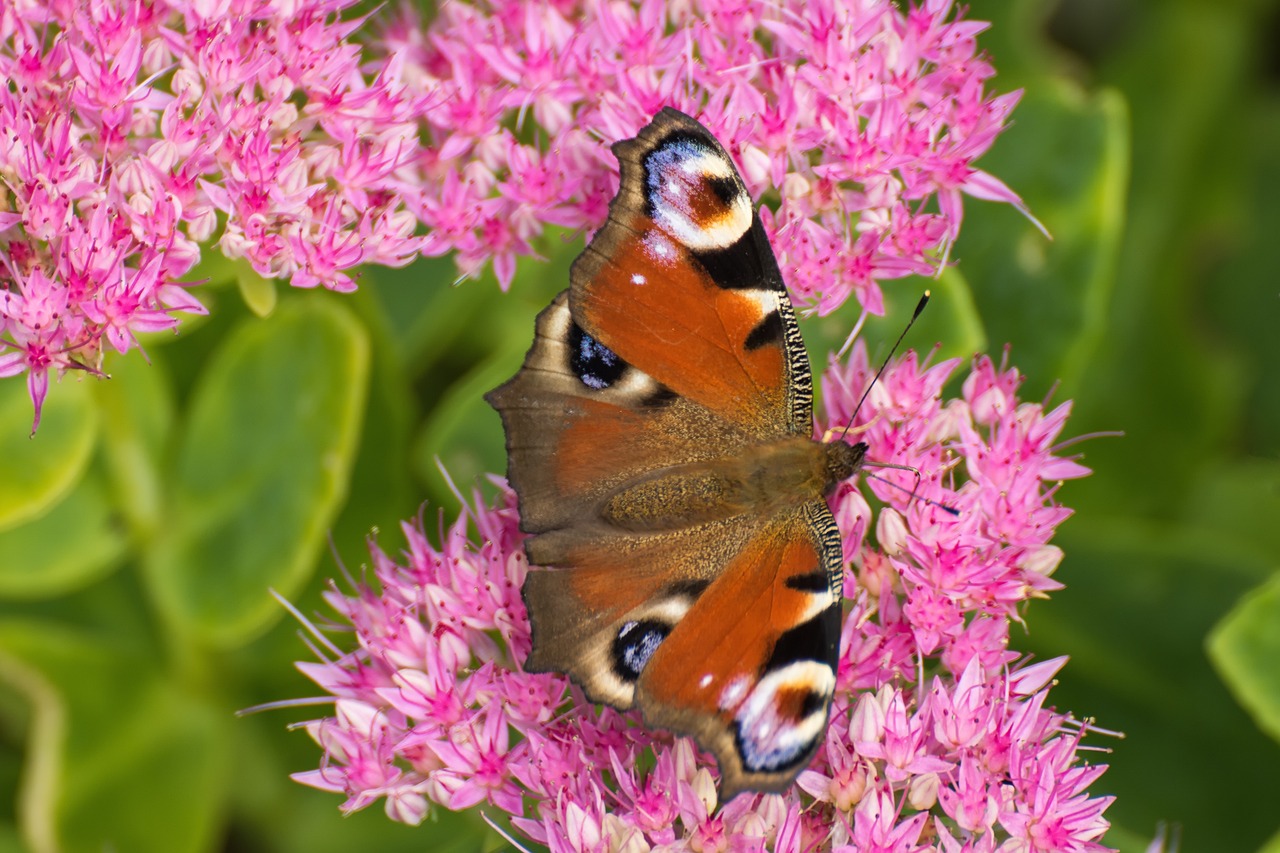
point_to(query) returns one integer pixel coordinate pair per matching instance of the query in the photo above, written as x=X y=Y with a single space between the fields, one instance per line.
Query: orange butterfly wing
x=681 y=283
x=755 y=687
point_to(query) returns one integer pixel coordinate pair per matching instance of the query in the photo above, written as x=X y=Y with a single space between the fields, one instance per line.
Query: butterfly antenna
x=912 y=491
x=924 y=300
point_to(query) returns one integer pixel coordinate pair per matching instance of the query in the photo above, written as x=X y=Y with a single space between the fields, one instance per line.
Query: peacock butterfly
x=660 y=442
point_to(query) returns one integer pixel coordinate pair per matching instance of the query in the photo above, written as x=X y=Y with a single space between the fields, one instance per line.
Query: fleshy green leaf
x=423 y=318
x=1067 y=155
x=67 y=548
x=10 y=840
x=136 y=408
x=261 y=470
x=464 y=432
x=260 y=294
x=1240 y=499
x=36 y=471
x=1245 y=648
x=460 y=427
x=106 y=733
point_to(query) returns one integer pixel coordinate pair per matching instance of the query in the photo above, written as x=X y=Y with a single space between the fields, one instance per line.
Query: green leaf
x=423 y=315
x=461 y=429
x=1160 y=375
x=1240 y=500
x=131 y=760
x=136 y=409
x=262 y=468
x=105 y=734
x=381 y=485
x=67 y=548
x=37 y=471
x=11 y=840
x=1245 y=649
x=464 y=432
x=260 y=294
x=1242 y=283
x=1067 y=155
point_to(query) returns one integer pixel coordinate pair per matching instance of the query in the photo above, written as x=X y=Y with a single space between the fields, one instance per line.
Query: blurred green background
x=141 y=528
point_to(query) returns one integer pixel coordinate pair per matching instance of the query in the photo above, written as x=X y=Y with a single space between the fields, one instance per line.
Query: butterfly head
x=842 y=461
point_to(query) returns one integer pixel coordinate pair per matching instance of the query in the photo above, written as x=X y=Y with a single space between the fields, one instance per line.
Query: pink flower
x=433 y=710
x=139 y=133
x=855 y=115
x=127 y=129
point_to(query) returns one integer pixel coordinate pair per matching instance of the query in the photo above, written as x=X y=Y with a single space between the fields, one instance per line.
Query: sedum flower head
x=131 y=134
x=941 y=739
x=857 y=123
x=134 y=135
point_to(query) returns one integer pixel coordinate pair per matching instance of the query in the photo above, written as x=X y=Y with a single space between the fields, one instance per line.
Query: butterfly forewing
x=682 y=274
x=578 y=427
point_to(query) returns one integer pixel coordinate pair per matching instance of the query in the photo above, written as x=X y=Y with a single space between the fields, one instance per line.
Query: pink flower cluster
x=132 y=132
x=940 y=739
x=848 y=118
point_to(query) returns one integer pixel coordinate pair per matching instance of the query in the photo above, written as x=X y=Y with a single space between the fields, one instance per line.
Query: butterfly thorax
x=762 y=479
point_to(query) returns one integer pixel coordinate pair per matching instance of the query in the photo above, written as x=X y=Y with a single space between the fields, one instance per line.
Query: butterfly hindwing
x=623 y=594
x=756 y=688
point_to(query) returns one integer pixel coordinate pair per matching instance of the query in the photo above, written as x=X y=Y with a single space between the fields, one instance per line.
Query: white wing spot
x=659 y=247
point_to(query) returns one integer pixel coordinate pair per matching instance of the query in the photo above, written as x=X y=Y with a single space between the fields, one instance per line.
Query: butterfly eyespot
x=781 y=721
x=695 y=195
x=595 y=365
x=635 y=644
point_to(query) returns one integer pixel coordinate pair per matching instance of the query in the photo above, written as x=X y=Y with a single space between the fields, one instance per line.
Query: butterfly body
x=761 y=480
x=659 y=440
